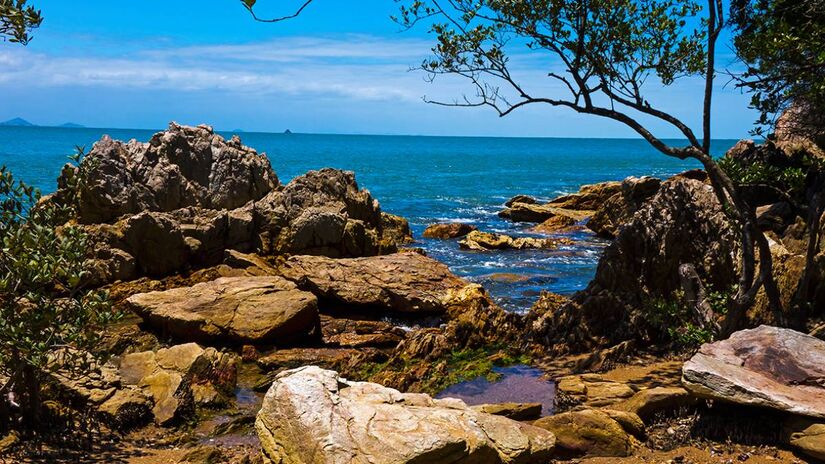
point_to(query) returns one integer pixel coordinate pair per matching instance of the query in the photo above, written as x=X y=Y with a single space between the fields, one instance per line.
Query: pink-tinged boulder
x=768 y=366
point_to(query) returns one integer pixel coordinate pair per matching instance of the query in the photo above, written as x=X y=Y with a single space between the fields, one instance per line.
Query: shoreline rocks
x=255 y=310
x=312 y=415
x=485 y=241
x=448 y=231
x=768 y=366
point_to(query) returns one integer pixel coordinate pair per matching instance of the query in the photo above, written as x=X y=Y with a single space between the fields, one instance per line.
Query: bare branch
x=249 y=6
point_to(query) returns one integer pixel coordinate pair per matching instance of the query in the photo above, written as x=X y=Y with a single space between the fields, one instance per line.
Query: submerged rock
x=401 y=282
x=485 y=241
x=231 y=310
x=768 y=366
x=448 y=231
x=311 y=415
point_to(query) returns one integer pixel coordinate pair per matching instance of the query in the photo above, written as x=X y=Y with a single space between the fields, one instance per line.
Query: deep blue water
x=425 y=179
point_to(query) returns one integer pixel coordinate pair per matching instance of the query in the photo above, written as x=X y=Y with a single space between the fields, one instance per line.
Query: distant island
x=20 y=122
x=17 y=122
x=287 y=131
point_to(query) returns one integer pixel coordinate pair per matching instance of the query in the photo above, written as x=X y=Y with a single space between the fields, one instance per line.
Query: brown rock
x=401 y=282
x=770 y=367
x=485 y=241
x=350 y=333
x=805 y=435
x=448 y=231
x=231 y=309
x=515 y=411
x=557 y=224
x=520 y=199
x=588 y=432
x=589 y=197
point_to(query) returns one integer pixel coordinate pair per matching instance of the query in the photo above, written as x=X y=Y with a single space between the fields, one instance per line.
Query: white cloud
x=359 y=67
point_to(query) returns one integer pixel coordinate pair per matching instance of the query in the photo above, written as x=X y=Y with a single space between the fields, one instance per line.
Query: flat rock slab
x=311 y=415
x=400 y=282
x=771 y=367
x=256 y=310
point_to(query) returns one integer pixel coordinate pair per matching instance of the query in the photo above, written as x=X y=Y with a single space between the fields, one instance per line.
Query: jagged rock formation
x=182 y=199
x=314 y=416
x=682 y=223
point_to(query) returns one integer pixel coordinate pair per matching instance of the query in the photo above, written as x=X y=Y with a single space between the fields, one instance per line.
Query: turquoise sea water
x=427 y=180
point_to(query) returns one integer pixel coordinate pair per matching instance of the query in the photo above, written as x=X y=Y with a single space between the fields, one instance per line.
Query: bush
x=44 y=306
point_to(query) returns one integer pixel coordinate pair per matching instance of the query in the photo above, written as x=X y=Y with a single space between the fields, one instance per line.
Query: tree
x=17 y=19
x=44 y=306
x=603 y=53
x=782 y=44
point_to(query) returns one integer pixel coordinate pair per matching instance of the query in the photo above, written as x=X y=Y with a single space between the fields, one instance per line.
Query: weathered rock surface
x=231 y=309
x=768 y=366
x=557 y=224
x=485 y=241
x=620 y=208
x=313 y=416
x=401 y=282
x=180 y=377
x=448 y=231
x=534 y=212
x=591 y=390
x=181 y=167
x=352 y=333
x=179 y=201
x=682 y=223
x=589 y=432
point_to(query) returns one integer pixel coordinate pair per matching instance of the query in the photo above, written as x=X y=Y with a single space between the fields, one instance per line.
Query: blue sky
x=341 y=67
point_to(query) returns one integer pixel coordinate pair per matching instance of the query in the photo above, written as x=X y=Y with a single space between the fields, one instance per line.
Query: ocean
x=426 y=180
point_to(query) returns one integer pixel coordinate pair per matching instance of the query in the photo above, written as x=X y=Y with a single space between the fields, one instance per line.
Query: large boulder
x=589 y=432
x=768 y=366
x=312 y=415
x=180 y=167
x=401 y=282
x=682 y=223
x=576 y=206
x=268 y=310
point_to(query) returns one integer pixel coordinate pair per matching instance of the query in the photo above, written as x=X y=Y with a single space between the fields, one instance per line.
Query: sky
x=340 y=67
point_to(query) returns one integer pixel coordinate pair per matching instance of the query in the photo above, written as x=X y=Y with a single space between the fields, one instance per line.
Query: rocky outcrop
x=768 y=366
x=313 y=416
x=515 y=411
x=178 y=168
x=180 y=378
x=620 y=208
x=682 y=223
x=448 y=231
x=401 y=282
x=181 y=200
x=253 y=310
x=576 y=206
x=485 y=241
x=806 y=436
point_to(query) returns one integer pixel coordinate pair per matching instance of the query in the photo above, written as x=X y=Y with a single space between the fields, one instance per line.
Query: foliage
x=782 y=42
x=790 y=180
x=672 y=317
x=17 y=19
x=44 y=306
